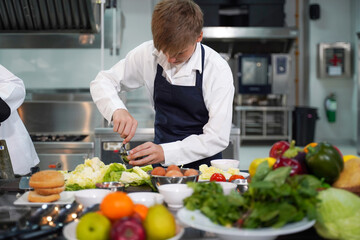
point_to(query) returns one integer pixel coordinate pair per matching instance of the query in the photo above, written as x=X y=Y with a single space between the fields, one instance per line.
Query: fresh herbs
x=273 y=200
x=208 y=197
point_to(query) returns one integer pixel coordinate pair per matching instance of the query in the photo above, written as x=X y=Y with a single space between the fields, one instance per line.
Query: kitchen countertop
x=9 y=194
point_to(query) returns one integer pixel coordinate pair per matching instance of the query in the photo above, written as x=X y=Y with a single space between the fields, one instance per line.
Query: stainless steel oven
x=62 y=152
x=262 y=73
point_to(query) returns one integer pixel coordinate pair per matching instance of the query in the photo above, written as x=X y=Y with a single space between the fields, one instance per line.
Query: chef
x=189 y=84
x=21 y=149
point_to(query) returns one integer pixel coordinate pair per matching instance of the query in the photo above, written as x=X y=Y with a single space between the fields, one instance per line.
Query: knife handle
x=13 y=234
x=41 y=233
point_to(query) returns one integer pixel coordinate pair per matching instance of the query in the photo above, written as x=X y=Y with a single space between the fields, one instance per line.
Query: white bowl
x=227 y=187
x=146 y=198
x=90 y=197
x=174 y=194
x=225 y=164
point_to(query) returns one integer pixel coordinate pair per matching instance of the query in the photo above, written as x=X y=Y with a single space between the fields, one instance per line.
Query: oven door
x=254 y=73
x=58 y=161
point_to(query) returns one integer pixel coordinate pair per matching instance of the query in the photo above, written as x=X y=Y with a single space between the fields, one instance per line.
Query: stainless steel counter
x=147 y=134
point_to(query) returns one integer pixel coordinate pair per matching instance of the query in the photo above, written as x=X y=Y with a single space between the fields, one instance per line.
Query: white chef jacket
x=21 y=148
x=139 y=69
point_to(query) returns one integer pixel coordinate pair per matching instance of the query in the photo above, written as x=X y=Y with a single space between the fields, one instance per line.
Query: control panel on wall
x=334 y=60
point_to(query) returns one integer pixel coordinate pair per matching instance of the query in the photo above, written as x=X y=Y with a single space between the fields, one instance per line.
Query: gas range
x=62 y=151
x=56 y=138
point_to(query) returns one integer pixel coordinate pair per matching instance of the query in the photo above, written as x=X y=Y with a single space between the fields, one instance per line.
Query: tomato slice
x=217 y=177
x=233 y=177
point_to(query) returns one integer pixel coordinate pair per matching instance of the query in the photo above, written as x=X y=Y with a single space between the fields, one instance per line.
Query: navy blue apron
x=180 y=111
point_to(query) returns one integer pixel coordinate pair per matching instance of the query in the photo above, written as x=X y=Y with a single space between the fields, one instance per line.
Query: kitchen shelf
x=250 y=39
x=264 y=122
x=243 y=33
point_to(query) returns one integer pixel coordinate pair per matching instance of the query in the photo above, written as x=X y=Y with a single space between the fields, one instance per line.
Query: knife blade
x=24 y=183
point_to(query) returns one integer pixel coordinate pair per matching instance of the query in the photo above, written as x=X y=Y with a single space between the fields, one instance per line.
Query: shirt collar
x=194 y=63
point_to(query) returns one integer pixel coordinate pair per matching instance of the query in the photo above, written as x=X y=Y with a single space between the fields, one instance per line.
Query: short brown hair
x=176 y=24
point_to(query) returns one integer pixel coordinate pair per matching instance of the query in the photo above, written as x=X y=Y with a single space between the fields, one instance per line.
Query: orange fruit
x=313 y=144
x=117 y=205
x=141 y=210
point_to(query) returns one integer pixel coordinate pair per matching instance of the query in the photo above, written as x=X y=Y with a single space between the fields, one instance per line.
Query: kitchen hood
x=49 y=16
x=58 y=23
x=260 y=40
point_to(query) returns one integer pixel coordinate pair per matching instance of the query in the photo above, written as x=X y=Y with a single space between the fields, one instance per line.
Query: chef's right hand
x=124 y=124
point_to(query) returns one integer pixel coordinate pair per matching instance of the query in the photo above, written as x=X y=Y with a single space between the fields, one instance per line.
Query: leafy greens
x=273 y=199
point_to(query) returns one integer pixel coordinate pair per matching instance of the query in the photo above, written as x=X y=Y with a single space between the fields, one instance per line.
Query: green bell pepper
x=324 y=161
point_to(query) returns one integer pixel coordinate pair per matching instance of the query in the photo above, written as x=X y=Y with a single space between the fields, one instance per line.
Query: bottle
x=6 y=170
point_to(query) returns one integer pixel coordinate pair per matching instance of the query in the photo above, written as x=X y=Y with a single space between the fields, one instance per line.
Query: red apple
x=129 y=228
x=278 y=149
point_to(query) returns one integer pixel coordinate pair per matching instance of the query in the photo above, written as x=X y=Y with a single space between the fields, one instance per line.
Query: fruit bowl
x=225 y=164
x=161 y=180
x=69 y=231
x=90 y=197
x=147 y=198
x=174 y=194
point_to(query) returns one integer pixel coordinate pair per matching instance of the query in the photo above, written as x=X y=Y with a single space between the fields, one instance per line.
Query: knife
x=67 y=214
x=33 y=223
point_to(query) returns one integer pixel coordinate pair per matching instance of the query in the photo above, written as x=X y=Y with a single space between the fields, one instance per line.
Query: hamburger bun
x=47 y=179
x=49 y=191
x=34 y=197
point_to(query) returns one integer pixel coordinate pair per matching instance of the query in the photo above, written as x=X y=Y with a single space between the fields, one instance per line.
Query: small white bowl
x=227 y=187
x=174 y=194
x=225 y=164
x=90 y=197
x=147 y=198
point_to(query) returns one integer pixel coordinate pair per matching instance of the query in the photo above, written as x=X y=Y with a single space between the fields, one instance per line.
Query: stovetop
x=57 y=138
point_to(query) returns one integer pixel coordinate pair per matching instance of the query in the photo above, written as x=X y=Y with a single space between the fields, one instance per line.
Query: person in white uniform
x=190 y=86
x=21 y=149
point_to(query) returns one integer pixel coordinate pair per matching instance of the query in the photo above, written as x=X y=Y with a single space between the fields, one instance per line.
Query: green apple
x=93 y=226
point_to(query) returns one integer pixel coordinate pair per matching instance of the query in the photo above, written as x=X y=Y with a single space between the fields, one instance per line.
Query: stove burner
x=57 y=138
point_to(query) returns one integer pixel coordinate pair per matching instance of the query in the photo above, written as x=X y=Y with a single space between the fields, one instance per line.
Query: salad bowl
x=197 y=220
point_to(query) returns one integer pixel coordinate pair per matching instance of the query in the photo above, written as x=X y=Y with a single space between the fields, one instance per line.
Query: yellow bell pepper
x=348 y=157
x=255 y=163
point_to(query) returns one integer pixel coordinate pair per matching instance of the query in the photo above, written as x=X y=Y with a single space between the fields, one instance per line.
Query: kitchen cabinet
x=264 y=122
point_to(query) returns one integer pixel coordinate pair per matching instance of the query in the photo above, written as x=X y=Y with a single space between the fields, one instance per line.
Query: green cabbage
x=114 y=172
x=85 y=175
x=338 y=215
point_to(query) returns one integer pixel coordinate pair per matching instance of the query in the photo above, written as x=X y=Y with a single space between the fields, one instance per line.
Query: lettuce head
x=338 y=215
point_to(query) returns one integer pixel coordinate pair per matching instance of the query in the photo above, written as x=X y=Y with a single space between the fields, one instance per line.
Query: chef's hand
x=124 y=124
x=151 y=153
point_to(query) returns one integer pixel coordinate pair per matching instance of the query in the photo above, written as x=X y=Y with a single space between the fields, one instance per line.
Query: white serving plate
x=66 y=197
x=196 y=219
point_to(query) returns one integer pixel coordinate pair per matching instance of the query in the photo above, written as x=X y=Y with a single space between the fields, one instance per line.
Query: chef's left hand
x=151 y=153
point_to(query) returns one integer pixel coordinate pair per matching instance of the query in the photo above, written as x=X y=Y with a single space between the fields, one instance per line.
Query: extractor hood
x=250 y=39
x=57 y=23
x=49 y=16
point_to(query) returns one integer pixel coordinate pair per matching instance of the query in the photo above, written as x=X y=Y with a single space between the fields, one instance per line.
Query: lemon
x=159 y=223
x=255 y=163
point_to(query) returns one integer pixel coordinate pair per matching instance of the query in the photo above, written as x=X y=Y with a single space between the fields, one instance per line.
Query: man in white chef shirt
x=189 y=84
x=21 y=148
